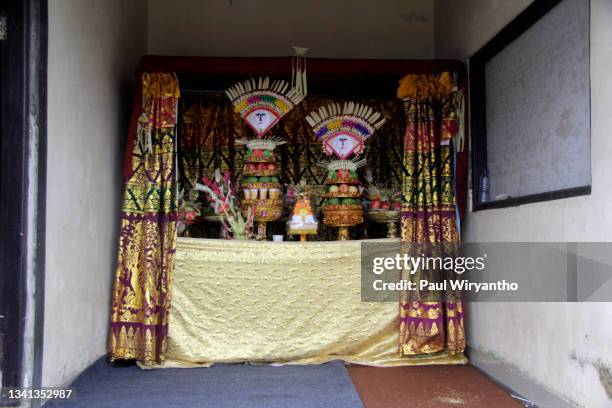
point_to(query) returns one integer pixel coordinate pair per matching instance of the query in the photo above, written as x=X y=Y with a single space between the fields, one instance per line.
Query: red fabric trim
x=282 y=65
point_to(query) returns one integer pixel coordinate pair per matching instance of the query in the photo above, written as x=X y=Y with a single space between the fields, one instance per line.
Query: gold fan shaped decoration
x=344 y=129
x=262 y=103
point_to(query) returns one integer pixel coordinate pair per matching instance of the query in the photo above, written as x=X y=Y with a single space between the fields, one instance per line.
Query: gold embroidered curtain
x=147 y=240
x=429 y=216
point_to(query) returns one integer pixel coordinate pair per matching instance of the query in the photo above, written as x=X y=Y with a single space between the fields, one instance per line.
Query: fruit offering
x=260 y=183
x=342 y=176
x=382 y=198
x=342 y=202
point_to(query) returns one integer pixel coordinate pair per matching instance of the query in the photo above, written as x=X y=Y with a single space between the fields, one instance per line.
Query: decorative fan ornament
x=344 y=130
x=262 y=103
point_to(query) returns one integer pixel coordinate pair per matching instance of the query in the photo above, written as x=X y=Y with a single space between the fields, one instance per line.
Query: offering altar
x=286 y=303
x=208 y=159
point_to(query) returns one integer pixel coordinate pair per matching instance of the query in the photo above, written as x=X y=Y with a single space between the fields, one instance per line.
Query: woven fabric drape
x=147 y=240
x=428 y=214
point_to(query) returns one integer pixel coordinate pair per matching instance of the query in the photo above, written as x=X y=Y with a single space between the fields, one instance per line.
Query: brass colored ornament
x=265 y=210
x=343 y=215
x=340 y=194
x=388 y=217
x=343 y=234
x=260 y=185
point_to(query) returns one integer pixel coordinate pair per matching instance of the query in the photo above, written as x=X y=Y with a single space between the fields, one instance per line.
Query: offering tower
x=261 y=104
x=343 y=131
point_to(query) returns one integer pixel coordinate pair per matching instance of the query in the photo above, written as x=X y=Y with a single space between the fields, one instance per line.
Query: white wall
x=93 y=50
x=565 y=347
x=330 y=28
x=463 y=26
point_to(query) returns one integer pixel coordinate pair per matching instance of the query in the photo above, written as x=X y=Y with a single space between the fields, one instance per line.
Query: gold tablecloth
x=287 y=303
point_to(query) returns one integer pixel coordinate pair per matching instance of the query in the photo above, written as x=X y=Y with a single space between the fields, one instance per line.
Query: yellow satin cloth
x=287 y=303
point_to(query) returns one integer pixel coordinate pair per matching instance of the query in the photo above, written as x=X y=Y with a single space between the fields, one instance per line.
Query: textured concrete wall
x=330 y=28
x=93 y=49
x=564 y=347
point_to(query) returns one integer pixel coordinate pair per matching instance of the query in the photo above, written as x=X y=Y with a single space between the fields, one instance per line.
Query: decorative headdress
x=343 y=130
x=262 y=103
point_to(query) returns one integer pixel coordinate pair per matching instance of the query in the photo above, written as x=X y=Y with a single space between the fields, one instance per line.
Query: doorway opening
x=23 y=59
